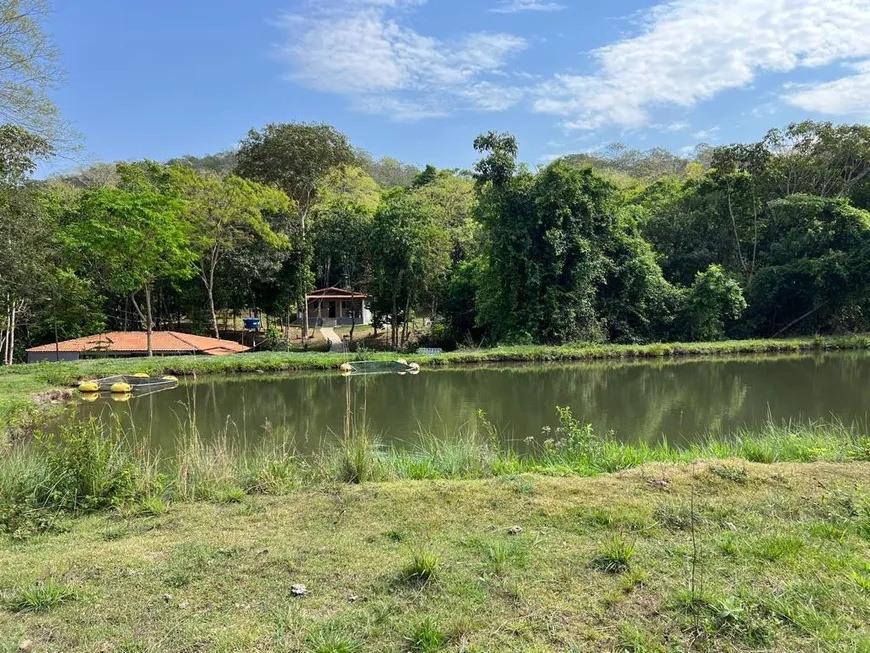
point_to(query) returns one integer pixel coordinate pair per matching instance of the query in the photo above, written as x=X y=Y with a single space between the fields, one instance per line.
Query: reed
x=90 y=466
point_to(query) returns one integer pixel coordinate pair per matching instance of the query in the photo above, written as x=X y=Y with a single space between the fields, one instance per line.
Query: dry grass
x=782 y=565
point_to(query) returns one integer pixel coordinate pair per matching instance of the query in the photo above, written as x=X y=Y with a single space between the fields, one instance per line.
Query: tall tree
x=133 y=239
x=295 y=157
x=24 y=232
x=226 y=213
x=28 y=69
x=410 y=254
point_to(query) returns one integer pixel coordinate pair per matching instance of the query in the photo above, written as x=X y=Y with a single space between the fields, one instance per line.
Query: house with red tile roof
x=133 y=343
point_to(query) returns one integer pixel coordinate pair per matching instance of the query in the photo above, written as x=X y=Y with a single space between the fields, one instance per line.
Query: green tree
x=224 y=214
x=132 y=239
x=295 y=157
x=713 y=301
x=28 y=69
x=410 y=257
x=25 y=233
x=814 y=271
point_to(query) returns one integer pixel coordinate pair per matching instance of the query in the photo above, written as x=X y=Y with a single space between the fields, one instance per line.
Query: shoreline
x=28 y=391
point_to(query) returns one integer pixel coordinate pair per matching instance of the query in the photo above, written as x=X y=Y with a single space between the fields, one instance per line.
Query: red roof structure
x=135 y=342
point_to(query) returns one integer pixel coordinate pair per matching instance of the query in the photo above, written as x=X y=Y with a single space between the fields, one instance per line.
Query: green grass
x=427 y=637
x=228 y=568
x=615 y=557
x=40 y=596
x=422 y=568
x=89 y=466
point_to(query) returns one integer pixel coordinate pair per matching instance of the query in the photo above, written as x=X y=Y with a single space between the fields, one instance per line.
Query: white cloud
x=363 y=49
x=516 y=6
x=848 y=95
x=691 y=50
x=672 y=127
x=706 y=133
x=763 y=110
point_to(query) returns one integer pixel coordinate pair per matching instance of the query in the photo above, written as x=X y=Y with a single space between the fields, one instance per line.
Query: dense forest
x=761 y=239
x=758 y=239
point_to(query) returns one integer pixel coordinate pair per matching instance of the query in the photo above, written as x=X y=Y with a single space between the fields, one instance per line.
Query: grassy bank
x=20 y=383
x=88 y=466
x=714 y=557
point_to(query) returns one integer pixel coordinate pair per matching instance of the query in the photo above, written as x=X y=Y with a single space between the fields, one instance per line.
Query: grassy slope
x=783 y=565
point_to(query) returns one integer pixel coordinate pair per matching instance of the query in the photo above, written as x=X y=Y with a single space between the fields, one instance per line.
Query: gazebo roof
x=335 y=293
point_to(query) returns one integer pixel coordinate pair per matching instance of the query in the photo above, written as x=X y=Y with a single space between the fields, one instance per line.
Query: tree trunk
x=405 y=321
x=10 y=340
x=394 y=323
x=209 y=287
x=148 y=319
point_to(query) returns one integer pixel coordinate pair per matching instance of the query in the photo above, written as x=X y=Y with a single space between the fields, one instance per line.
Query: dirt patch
x=53 y=397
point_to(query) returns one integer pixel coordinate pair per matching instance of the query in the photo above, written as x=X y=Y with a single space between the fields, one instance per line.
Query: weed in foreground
x=633 y=640
x=332 y=639
x=615 y=557
x=41 y=596
x=725 y=616
x=778 y=546
x=427 y=637
x=502 y=555
x=729 y=473
x=423 y=567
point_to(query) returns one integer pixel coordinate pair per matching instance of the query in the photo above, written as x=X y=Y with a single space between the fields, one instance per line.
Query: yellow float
x=346 y=367
x=415 y=367
x=121 y=388
x=169 y=377
x=89 y=386
x=402 y=361
x=140 y=375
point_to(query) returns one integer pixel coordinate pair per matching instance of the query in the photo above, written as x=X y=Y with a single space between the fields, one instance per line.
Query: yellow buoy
x=121 y=388
x=346 y=367
x=140 y=375
x=415 y=367
x=89 y=386
x=169 y=377
x=122 y=396
x=90 y=396
x=401 y=361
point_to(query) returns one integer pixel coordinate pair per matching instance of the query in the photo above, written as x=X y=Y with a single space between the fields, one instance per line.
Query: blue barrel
x=251 y=323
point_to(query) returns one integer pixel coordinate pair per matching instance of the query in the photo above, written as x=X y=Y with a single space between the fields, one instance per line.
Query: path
x=336 y=344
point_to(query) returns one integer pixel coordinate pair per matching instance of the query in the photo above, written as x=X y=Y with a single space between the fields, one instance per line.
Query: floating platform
x=137 y=384
x=356 y=368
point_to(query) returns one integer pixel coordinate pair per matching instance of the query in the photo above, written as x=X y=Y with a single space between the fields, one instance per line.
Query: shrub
x=427 y=637
x=41 y=596
x=88 y=469
x=615 y=557
x=423 y=567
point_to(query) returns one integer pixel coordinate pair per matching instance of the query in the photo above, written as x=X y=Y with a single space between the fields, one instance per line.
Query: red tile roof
x=136 y=341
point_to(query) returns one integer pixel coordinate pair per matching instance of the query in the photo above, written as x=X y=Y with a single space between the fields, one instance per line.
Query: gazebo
x=338 y=307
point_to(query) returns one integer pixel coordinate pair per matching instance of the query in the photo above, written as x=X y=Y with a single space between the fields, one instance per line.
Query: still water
x=638 y=401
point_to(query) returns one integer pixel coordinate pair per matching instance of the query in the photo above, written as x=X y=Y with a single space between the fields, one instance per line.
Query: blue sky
x=418 y=79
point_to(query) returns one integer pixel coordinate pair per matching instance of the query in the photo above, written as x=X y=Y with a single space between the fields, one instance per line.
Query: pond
x=638 y=401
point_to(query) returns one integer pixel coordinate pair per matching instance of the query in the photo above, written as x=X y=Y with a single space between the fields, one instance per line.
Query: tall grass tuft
x=92 y=465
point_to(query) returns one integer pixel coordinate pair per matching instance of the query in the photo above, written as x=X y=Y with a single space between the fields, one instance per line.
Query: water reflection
x=639 y=401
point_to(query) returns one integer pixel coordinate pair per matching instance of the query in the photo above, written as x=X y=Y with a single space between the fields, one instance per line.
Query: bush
x=88 y=469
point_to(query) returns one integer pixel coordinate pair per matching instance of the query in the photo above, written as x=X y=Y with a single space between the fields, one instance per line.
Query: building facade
x=338 y=307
